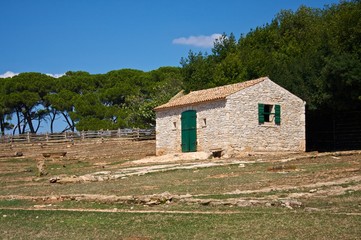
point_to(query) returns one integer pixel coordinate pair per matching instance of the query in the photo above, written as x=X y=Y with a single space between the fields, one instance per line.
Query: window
x=269 y=113
x=204 y=123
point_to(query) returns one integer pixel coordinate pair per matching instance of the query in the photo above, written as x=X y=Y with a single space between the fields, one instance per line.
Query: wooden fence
x=125 y=134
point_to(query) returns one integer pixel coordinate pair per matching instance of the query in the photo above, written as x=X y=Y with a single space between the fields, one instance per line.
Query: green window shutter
x=278 y=114
x=260 y=113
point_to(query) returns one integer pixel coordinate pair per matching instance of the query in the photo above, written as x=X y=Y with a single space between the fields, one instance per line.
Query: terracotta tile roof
x=210 y=94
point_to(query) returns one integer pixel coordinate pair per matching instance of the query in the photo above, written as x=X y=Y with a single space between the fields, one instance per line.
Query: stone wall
x=168 y=127
x=247 y=134
x=232 y=124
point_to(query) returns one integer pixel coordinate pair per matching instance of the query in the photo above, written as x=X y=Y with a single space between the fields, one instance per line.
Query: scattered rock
x=54 y=179
x=54 y=154
x=42 y=206
x=139 y=171
x=102 y=173
x=100 y=164
x=309 y=209
x=291 y=204
x=287 y=205
x=185 y=196
x=18 y=154
x=152 y=203
x=41 y=168
x=53 y=198
x=313 y=191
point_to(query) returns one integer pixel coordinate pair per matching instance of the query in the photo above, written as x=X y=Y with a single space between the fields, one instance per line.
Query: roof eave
x=188 y=104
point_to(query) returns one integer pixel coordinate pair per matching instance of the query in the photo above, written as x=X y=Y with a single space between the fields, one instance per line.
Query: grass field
x=245 y=224
x=327 y=190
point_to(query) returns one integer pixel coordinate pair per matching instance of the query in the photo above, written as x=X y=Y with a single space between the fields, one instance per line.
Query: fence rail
x=129 y=134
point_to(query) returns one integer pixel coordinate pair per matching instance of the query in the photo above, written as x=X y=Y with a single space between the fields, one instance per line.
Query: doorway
x=189 y=131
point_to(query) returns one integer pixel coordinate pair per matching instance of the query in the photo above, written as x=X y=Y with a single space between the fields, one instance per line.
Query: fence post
x=47 y=137
x=72 y=138
x=82 y=135
x=28 y=137
x=118 y=132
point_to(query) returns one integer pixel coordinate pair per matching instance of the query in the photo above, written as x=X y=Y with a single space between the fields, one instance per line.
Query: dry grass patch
x=327 y=186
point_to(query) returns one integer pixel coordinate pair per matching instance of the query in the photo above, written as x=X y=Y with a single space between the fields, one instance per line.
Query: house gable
x=248 y=134
x=269 y=87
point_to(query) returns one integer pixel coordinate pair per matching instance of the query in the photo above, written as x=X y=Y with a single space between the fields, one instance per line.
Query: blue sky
x=97 y=36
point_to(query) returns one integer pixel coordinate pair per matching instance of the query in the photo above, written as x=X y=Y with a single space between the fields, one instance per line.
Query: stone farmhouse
x=251 y=116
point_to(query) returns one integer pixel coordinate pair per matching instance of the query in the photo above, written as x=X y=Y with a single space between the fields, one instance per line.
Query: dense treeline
x=314 y=53
x=117 y=99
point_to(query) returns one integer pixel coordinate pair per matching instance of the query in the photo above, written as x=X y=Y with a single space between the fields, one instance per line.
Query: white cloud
x=55 y=75
x=198 y=41
x=8 y=74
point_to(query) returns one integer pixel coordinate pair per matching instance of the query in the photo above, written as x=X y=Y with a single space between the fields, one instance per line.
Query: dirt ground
x=138 y=153
x=91 y=150
x=118 y=189
x=309 y=175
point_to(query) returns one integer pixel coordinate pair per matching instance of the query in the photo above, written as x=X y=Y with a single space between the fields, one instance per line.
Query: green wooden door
x=189 y=131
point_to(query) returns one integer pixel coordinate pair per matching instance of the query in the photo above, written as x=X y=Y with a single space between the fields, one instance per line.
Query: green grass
x=15 y=203
x=68 y=167
x=349 y=202
x=327 y=165
x=281 y=193
x=23 y=224
x=210 y=181
x=330 y=222
x=17 y=160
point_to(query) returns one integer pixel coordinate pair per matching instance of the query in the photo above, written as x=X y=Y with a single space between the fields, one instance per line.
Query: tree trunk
x=2 y=125
x=69 y=121
x=52 y=119
x=24 y=126
x=27 y=116
x=37 y=128
x=18 y=125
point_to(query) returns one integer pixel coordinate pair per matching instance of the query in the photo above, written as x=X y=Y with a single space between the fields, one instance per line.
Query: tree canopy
x=314 y=53
x=117 y=99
